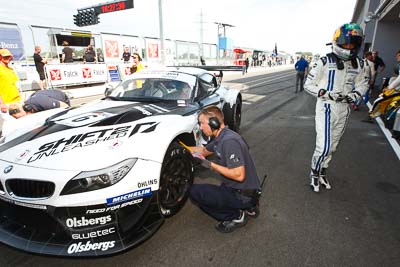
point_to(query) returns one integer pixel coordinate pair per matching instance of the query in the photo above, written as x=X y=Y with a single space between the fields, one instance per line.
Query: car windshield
x=152 y=88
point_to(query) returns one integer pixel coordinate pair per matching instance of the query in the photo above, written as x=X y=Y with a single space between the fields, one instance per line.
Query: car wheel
x=176 y=180
x=233 y=116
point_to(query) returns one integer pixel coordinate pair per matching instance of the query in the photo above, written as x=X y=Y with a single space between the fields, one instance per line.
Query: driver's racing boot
x=323 y=180
x=314 y=181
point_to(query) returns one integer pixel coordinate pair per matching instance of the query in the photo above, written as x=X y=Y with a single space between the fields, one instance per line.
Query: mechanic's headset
x=28 y=108
x=214 y=123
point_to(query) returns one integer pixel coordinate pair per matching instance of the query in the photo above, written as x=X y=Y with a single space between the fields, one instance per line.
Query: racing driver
x=336 y=80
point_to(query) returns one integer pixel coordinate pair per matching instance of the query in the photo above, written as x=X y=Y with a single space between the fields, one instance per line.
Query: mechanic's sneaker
x=314 y=182
x=323 y=180
x=230 y=226
x=254 y=211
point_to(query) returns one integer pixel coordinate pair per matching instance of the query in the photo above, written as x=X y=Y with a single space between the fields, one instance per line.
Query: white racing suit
x=331 y=116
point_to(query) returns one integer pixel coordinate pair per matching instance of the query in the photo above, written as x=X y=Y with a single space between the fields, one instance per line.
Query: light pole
x=221 y=25
x=160 y=20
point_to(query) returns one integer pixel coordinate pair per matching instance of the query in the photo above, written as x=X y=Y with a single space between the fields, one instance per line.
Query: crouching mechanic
x=40 y=101
x=331 y=80
x=237 y=197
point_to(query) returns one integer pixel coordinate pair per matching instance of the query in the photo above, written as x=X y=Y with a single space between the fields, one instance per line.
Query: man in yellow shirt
x=9 y=92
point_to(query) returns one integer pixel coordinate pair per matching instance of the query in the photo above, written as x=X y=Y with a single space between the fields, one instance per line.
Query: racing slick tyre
x=176 y=180
x=233 y=115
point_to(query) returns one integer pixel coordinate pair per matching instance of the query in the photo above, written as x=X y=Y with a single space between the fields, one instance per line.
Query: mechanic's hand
x=324 y=94
x=201 y=160
x=353 y=97
x=4 y=108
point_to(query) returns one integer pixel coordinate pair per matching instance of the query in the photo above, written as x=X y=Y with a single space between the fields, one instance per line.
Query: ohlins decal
x=88 y=139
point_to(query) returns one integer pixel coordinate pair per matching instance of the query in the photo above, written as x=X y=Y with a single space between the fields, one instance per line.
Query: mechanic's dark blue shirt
x=232 y=151
x=47 y=99
x=301 y=65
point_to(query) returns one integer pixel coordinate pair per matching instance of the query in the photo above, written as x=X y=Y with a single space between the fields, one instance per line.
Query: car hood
x=93 y=136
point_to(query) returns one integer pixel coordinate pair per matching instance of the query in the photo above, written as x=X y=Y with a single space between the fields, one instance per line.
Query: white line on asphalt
x=393 y=142
x=268 y=80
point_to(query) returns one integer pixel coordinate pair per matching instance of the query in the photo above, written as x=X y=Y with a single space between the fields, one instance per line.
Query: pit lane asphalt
x=357 y=223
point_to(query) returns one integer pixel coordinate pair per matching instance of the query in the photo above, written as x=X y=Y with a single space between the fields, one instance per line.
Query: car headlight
x=94 y=180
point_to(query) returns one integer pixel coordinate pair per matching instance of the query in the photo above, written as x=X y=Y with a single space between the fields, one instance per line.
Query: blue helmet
x=347 y=41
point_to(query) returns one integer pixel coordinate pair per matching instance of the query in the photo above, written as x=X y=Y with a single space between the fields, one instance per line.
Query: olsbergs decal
x=132 y=195
x=83 y=221
x=88 y=139
x=88 y=246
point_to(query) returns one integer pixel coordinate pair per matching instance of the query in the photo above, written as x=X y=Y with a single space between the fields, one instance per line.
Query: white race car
x=100 y=178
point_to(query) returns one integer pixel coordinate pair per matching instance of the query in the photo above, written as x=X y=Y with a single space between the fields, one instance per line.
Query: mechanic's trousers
x=330 y=123
x=220 y=202
x=300 y=80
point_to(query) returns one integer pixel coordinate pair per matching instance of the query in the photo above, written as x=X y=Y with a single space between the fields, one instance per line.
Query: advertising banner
x=11 y=39
x=70 y=74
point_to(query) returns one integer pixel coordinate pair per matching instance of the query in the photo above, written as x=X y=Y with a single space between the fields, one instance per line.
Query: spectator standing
x=202 y=61
x=9 y=92
x=126 y=56
x=137 y=64
x=370 y=73
x=301 y=67
x=90 y=55
x=379 y=66
x=39 y=63
x=67 y=53
x=247 y=63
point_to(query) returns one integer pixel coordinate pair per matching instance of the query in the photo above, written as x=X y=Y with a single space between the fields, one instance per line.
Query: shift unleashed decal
x=88 y=139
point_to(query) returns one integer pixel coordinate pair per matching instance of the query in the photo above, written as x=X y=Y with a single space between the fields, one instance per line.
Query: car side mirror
x=108 y=91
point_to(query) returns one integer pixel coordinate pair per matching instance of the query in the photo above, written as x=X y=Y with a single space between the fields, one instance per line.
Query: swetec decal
x=78 y=141
x=147 y=183
x=94 y=234
x=88 y=246
x=132 y=195
x=112 y=208
x=82 y=222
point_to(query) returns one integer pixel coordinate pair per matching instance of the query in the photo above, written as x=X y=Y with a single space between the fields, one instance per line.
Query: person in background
x=236 y=199
x=370 y=73
x=9 y=92
x=126 y=56
x=379 y=66
x=137 y=64
x=301 y=67
x=39 y=63
x=67 y=53
x=40 y=101
x=331 y=80
x=90 y=55
x=202 y=61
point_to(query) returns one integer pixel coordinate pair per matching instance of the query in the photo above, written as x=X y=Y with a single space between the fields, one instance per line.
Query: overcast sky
x=295 y=25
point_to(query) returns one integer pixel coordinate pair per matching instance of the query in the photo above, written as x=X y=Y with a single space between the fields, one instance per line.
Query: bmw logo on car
x=8 y=169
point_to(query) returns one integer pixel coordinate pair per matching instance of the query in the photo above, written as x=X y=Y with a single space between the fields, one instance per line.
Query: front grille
x=30 y=188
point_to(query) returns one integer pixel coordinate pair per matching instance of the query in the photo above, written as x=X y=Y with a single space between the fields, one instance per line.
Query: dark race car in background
x=100 y=178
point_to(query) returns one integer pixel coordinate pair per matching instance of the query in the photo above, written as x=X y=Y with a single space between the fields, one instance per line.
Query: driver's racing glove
x=201 y=160
x=353 y=97
x=324 y=94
